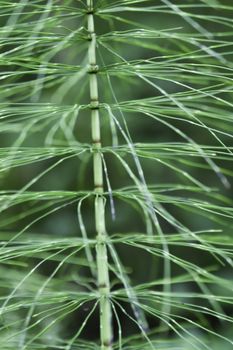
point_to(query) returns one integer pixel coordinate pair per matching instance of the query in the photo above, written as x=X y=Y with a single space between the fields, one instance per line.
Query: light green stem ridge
x=101 y=248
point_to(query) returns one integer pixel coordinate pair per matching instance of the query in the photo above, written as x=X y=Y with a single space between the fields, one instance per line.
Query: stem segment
x=101 y=248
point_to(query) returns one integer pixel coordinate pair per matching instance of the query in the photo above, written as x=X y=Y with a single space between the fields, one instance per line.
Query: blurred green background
x=75 y=174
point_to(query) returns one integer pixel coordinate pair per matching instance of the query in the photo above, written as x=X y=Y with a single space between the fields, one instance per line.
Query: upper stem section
x=94 y=96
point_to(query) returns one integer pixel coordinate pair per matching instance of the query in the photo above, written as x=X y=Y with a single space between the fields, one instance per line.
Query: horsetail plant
x=101 y=248
x=115 y=161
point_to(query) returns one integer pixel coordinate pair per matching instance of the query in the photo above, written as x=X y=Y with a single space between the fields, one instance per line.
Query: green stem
x=101 y=248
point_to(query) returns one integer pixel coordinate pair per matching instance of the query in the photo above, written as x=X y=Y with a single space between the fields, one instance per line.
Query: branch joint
x=94 y=104
x=93 y=69
x=90 y=11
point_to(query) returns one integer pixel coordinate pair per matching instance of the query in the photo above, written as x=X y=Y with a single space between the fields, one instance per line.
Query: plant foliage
x=165 y=83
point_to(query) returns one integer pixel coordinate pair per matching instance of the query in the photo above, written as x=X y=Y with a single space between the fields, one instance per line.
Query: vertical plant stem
x=101 y=248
